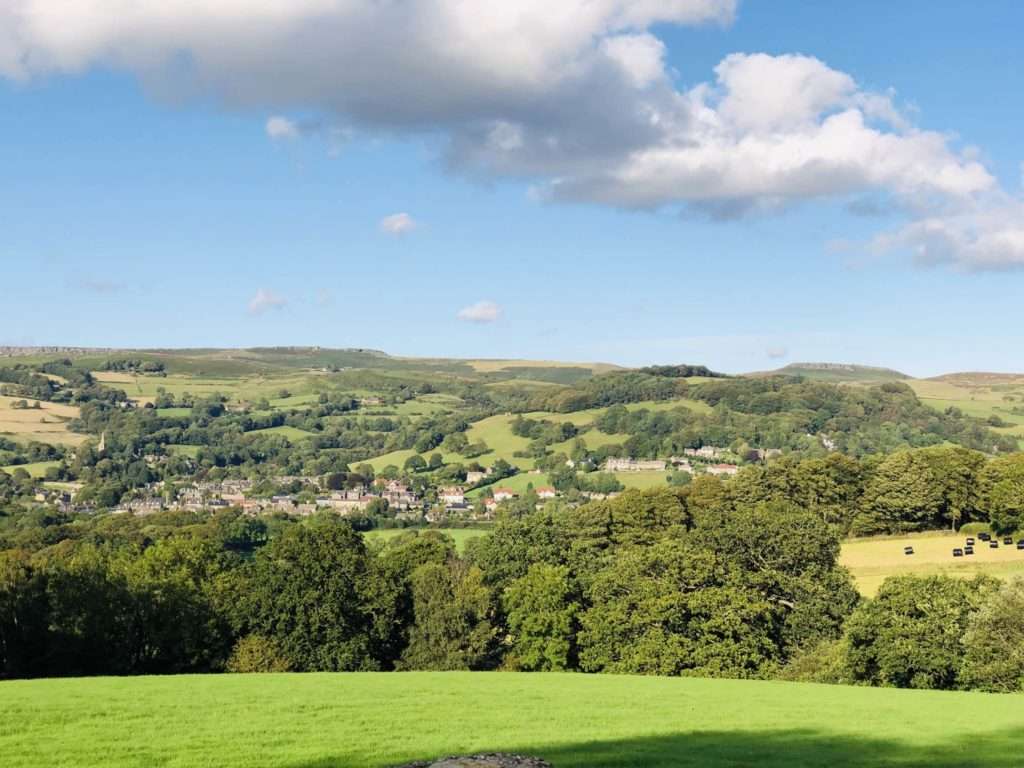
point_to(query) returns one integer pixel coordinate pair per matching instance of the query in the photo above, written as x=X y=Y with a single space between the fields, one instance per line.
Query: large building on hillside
x=634 y=465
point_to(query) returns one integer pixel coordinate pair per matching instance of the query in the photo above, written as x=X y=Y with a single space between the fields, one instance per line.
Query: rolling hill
x=837 y=373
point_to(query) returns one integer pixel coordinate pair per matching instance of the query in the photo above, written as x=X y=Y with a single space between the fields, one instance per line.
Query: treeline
x=682 y=371
x=911 y=490
x=777 y=412
x=77 y=386
x=132 y=365
x=934 y=632
x=647 y=583
x=679 y=582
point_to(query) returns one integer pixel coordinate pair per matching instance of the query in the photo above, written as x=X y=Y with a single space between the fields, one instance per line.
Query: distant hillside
x=982 y=379
x=279 y=360
x=837 y=372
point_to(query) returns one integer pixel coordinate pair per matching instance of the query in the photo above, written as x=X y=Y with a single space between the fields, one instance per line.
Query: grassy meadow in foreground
x=574 y=721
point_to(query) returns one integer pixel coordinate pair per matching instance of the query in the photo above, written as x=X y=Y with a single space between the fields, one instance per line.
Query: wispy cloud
x=281 y=128
x=99 y=286
x=776 y=353
x=481 y=312
x=398 y=224
x=264 y=301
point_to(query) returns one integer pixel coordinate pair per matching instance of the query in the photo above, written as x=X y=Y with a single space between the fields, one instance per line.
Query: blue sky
x=150 y=203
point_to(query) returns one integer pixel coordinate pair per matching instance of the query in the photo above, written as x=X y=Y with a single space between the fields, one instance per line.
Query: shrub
x=256 y=653
x=823 y=663
x=994 y=642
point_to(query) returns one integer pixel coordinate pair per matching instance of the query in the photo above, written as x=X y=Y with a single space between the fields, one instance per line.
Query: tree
x=911 y=634
x=903 y=495
x=958 y=471
x=1002 y=483
x=669 y=609
x=789 y=556
x=24 y=639
x=415 y=463
x=453 y=628
x=542 y=609
x=994 y=642
x=312 y=591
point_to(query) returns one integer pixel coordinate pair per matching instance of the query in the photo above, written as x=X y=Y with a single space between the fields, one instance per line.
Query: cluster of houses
x=236 y=493
x=453 y=500
x=679 y=463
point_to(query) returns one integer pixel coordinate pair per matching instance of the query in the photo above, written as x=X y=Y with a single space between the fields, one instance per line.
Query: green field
x=642 y=480
x=184 y=450
x=292 y=434
x=574 y=721
x=496 y=431
x=461 y=535
x=36 y=469
x=872 y=560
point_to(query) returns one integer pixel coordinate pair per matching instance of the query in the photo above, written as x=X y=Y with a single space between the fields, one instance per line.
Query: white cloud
x=398 y=224
x=574 y=96
x=987 y=238
x=640 y=56
x=278 y=127
x=774 y=130
x=265 y=300
x=776 y=353
x=481 y=312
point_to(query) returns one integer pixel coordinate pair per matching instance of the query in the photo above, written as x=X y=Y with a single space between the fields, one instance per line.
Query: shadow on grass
x=769 y=749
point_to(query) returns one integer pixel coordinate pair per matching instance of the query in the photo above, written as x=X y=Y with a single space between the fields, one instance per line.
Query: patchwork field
x=574 y=721
x=47 y=424
x=872 y=560
x=144 y=388
x=496 y=431
x=978 y=394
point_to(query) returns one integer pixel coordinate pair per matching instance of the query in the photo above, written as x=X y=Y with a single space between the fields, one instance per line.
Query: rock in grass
x=492 y=760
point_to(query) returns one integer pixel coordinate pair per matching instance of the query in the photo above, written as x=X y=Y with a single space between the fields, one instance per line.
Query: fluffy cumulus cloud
x=264 y=301
x=575 y=96
x=397 y=224
x=481 y=312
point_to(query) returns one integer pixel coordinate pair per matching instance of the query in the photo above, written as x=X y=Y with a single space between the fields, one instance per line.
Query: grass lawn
x=174 y=413
x=574 y=721
x=292 y=434
x=37 y=469
x=184 y=450
x=461 y=535
x=872 y=560
x=643 y=480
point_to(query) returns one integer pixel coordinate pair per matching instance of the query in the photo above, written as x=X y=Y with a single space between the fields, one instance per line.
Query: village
x=381 y=498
